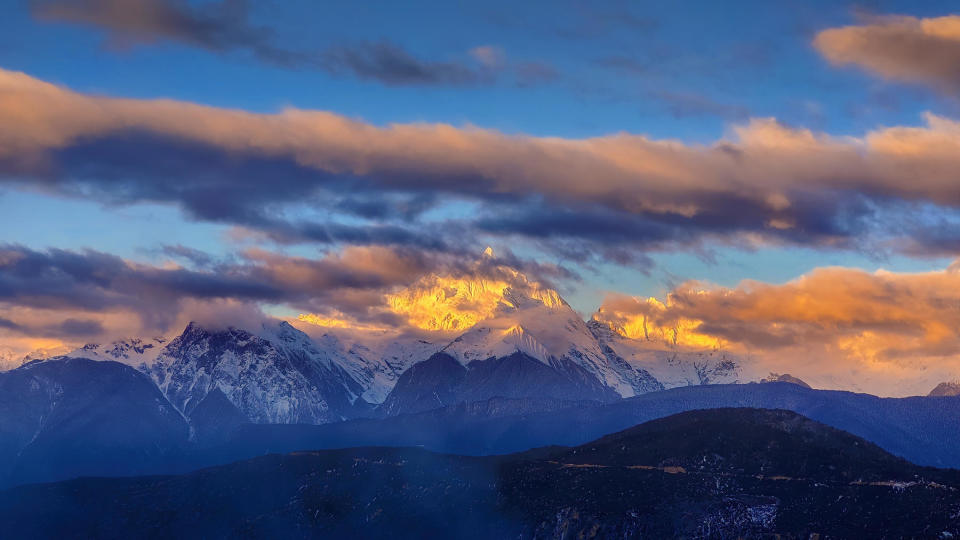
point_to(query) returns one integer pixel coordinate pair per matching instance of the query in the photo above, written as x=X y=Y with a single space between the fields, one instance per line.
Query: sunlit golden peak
x=340 y=321
x=648 y=324
x=445 y=303
x=455 y=303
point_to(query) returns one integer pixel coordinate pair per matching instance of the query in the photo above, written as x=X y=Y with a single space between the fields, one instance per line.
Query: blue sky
x=667 y=70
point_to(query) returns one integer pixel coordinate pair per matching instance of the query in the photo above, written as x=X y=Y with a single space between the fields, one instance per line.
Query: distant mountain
x=546 y=329
x=9 y=360
x=921 y=429
x=669 y=366
x=538 y=347
x=700 y=474
x=784 y=377
x=279 y=376
x=134 y=352
x=298 y=379
x=441 y=381
x=529 y=343
x=946 y=389
x=67 y=417
x=375 y=360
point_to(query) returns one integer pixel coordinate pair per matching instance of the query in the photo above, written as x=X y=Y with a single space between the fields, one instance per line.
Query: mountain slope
x=551 y=332
x=694 y=475
x=441 y=381
x=529 y=347
x=60 y=418
x=731 y=473
x=921 y=429
x=670 y=366
x=277 y=377
x=741 y=441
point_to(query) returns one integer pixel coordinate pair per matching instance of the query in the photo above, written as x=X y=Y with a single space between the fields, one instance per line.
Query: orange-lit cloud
x=78 y=297
x=899 y=48
x=888 y=329
x=766 y=182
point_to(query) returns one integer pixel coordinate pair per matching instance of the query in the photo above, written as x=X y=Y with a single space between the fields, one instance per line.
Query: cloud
x=79 y=295
x=899 y=48
x=224 y=27
x=392 y=65
x=881 y=327
x=219 y=27
x=686 y=105
x=764 y=183
x=194 y=256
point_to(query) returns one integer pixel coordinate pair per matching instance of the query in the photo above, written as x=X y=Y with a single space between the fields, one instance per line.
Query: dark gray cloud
x=225 y=27
x=194 y=256
x=392 y=65
x=67 y=329
x=93 y=280
x=8 y=324
x=690 y=104
x=77 y=328
x=221 y=26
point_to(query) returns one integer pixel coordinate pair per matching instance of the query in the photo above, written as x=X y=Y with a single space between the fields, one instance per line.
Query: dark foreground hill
x=702 y=474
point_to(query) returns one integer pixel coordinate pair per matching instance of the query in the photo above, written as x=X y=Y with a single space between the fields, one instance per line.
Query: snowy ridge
x=278 y=374
x=672 y=367
x=135 y=352
x=9 y=361
x=377 y=361
x=281 y=380
x=548 y=330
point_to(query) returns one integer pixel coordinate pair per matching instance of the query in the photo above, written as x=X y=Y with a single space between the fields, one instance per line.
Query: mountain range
x=531 y=373
x=530 y=346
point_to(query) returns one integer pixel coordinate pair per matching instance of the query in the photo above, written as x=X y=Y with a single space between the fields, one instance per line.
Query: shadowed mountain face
x=921 y=429
x=60 y=418
x=698 y=474
x=441 y=381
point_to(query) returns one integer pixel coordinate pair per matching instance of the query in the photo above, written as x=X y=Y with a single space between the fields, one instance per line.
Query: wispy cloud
x=225 y=27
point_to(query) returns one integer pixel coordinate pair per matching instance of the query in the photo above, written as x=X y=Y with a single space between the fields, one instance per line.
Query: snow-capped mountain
x=136 y=352
x=530 y=344
x=552 y=333
x=279 y=376
x=375 y=360
x=9 y=360
x=670 y=366
x=275 y=375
